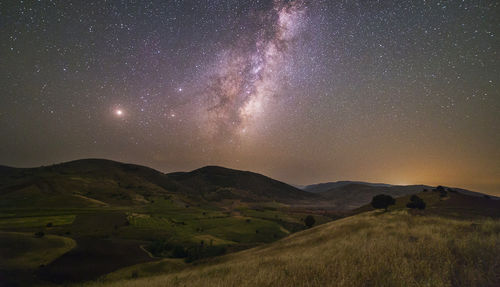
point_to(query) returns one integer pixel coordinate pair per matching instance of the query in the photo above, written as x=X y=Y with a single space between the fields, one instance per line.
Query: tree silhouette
x=416 y=202
x=309 y=221
x=382 y=201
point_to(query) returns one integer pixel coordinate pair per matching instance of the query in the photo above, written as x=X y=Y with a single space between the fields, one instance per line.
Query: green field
x=31 y=222
x=91 y=233
x=24 y=251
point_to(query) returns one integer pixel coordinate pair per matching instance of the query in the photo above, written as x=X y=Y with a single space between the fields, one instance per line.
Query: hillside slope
x=321 y=187
x=370 y=249
x=218 y=182
x=82 y=183
x=98 y=182
x=353 y=195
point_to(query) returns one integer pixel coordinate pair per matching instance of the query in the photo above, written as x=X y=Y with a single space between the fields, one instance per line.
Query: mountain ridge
x=116 y=183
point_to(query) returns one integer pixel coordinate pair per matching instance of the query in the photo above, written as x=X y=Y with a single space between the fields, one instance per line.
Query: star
x=119 y=112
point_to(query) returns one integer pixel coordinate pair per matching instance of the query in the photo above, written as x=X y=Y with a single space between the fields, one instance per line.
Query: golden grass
x=370 y=249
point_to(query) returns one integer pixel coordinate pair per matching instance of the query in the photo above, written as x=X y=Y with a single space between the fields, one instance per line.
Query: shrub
x=162 y=248
x=309 y=221
x=382 y=201
x=179 y=252
x=416 y=202
x=442 y=191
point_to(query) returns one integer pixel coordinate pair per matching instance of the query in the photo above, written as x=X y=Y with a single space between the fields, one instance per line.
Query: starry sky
x=402 y=92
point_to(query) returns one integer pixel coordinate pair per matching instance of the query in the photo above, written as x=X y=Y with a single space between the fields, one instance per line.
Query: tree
x=416 y=202
x=382 y=201
x=179 y=252
x=442 y=191
x=309 y=221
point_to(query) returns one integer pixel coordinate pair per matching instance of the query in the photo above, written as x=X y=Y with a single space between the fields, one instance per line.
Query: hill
x=217 y=183
x=82 y=183
x=395 y=248
x=123 y=214
x=321 y=187
x=353 y=195
x=97 y=182
x=349 y=195
x=91 y=218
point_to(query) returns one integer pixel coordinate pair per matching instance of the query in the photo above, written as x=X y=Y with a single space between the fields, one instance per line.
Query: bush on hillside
x=442 y=191
x=179 y=252
x=416 y=202
x=382 y=201
x=309 y=221
x=162 y=248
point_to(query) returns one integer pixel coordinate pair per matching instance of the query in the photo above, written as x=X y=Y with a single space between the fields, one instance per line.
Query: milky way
x=247 y=76
x=303 y=91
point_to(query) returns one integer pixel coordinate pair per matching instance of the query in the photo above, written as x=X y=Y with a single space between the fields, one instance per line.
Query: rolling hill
x=96 y=182
x=91 y=218
x=439 y=246
x=349 y=195
x=223 y=183
x=123 y=214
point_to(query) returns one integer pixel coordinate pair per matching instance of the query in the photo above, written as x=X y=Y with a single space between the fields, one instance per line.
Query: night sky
x=401 y=92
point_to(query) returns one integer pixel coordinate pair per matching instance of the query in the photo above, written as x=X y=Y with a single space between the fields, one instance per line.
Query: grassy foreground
x=371 y=249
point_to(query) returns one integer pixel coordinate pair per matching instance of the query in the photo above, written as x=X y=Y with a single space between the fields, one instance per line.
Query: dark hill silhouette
x=97 y=182
x=454 y=204
x=348 y=195
x=88 y=182
x=321 y=187
x=220 y=182
x=353 y=195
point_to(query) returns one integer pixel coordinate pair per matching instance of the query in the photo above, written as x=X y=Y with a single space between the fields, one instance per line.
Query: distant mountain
x=455 y=203
x=216 y=183
x=98 y=182
x=352 y=195
x=88 y=182
x=320 y=187
x=347 y=195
